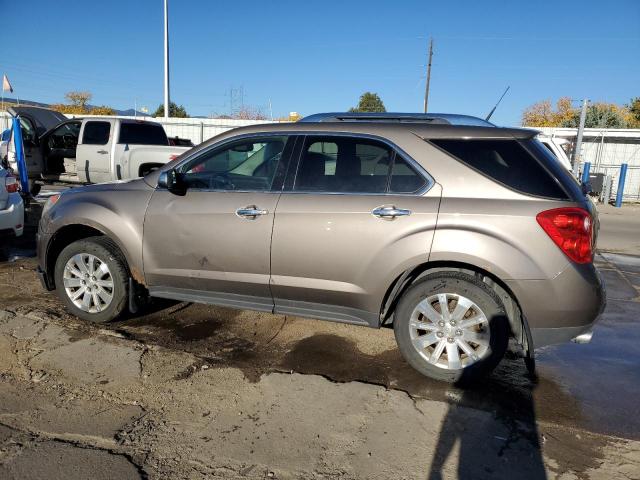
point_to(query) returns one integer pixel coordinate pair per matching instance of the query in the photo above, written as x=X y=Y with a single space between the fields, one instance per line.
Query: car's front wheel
x=91 y=279
x=451 y=326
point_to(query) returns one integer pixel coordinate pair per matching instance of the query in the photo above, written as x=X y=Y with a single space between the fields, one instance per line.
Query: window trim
x=84 y=129
x=278 y=177
x=419 y=169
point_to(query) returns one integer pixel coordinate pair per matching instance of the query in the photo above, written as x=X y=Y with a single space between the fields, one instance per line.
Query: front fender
x=118 y=215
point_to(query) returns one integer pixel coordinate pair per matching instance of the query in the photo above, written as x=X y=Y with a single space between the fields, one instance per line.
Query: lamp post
x=166 y=59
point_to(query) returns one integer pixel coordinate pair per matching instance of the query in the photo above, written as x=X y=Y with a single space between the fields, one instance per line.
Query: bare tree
x=78 y=99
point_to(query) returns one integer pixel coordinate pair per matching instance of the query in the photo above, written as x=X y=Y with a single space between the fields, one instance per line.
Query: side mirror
x=172 y=181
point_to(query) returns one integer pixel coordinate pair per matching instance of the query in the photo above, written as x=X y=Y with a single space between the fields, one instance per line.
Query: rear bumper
x=560 y=309
x=12 y=217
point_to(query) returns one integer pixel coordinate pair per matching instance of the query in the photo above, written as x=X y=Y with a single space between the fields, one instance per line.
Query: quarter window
x=142 y=134
x=246 y=165
x=96 y=133
x=507 y=162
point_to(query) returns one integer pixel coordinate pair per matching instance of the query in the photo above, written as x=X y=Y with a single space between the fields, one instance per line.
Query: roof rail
x=430 y=118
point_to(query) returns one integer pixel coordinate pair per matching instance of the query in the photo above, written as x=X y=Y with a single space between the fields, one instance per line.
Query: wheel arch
x=517 y=321
x=70 y=233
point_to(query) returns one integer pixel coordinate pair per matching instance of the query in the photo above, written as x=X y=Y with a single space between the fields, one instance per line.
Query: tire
x=102 y=285
x=480 y=318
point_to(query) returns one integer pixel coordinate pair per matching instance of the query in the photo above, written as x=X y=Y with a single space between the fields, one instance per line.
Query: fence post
x=585 y=172
x=201 y=132
x=621 y=179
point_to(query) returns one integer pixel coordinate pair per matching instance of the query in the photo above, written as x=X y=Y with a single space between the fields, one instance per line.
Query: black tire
x=108 y=252
x=476 y=291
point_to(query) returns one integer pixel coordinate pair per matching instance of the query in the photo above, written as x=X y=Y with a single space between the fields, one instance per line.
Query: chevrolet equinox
x=468 y=239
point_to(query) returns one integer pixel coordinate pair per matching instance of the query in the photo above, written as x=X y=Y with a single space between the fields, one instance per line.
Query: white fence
x=606 y=150
x=196 y=129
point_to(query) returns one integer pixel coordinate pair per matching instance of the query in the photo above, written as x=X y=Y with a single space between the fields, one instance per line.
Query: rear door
x=94 y=152
x=354 y=215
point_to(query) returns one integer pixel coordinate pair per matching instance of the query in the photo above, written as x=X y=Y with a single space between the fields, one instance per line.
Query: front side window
x=28 y=130
x=354 y=165
x=96 y=133
x=245 y=165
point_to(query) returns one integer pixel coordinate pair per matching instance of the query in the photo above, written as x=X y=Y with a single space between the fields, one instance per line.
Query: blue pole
x=621 y=179
x=585 y=173
x=20 y=160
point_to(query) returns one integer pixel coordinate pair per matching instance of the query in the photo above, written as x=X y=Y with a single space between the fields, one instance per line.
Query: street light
x=166 y=59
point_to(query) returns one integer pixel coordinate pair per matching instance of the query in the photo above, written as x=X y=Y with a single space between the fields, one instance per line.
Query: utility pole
x=426 y=89
x=166 y=59
x=577 y=152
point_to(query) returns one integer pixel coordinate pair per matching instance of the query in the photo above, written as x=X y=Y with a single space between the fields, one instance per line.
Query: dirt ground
x=193 y=391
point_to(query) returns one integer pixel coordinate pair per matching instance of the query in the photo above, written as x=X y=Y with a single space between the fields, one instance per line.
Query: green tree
x=633 y=119
x=599 y=115
x=369 y=102
x=177 y=111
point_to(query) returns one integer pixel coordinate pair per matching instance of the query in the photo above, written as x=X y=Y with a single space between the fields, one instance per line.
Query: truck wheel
x=91 y=279
x=451 y=326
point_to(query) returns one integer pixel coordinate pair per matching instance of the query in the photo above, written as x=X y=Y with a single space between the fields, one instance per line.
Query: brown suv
x=466 y=237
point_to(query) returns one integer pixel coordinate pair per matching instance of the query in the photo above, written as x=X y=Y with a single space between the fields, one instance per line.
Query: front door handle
x=102 y=152
x=390 y=212
x=251 y=212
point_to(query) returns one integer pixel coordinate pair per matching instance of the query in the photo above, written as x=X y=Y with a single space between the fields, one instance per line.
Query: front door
x=213 y=244
x=356 y=216
x=93 y=154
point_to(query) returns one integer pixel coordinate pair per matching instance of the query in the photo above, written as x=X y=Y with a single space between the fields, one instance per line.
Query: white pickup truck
x=88 y=150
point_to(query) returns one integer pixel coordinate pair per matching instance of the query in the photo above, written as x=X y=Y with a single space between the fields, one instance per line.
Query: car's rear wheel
x=451 y=326
x=91 y=279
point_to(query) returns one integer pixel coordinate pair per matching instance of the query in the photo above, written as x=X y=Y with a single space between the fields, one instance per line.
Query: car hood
x=116 y=185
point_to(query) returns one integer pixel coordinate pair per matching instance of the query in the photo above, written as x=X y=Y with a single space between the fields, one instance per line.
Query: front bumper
x=560 y=309
x=12 y=217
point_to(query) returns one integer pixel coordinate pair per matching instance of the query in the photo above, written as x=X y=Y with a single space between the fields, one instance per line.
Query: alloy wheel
x=449 y=331
x=88 y=282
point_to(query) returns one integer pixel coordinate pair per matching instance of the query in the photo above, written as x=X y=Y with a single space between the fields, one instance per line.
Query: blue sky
x=312 y=56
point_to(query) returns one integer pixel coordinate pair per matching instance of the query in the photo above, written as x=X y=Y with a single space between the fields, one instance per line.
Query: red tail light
x=11 y=183
x=571 y=229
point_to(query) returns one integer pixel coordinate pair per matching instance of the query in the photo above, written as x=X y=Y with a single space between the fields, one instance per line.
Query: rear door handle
x=251 y=212
x=102 y=152
x=390 y=212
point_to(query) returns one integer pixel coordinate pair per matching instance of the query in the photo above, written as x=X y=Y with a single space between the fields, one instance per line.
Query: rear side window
x=96 y=133
x=354 y=165
x=506 y=162
x=142 y=134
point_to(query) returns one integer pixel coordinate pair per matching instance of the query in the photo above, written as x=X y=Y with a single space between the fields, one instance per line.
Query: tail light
x=11 y=183
x=571 y=229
